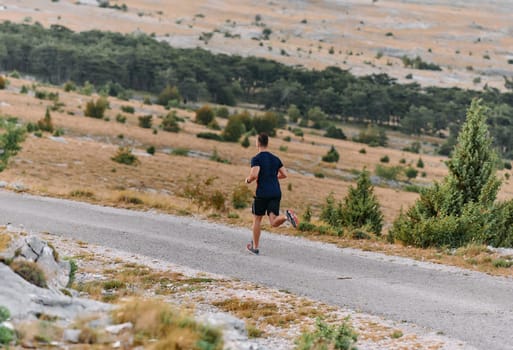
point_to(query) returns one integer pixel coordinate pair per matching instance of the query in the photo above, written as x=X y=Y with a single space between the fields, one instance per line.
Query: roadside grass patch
x=5 y=241
x=158 y=322
x=264 y=313
x=81 y=194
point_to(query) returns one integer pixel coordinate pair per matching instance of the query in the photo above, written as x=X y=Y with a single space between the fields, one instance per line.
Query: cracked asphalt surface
x=473 y=307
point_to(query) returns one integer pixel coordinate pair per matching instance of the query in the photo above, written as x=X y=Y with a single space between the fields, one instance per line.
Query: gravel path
x=465 y=305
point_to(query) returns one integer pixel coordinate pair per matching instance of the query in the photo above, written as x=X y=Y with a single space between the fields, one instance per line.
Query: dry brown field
x=468 y=39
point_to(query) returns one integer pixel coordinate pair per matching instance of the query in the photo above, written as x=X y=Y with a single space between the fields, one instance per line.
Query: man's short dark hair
x=263 y=139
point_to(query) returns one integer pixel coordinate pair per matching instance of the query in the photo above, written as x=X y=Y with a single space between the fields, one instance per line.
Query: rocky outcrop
x=26 y=301
x=31 y=248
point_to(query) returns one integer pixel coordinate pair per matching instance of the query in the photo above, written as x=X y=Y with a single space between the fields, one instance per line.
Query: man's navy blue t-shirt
x=268 y=185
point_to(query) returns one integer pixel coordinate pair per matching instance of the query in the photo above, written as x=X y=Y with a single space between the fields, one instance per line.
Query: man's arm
x=253 y=174
x=282 y=173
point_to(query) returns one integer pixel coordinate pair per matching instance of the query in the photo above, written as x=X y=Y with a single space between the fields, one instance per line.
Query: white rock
x=71 y=335
x=116 y=345
x=118 y=328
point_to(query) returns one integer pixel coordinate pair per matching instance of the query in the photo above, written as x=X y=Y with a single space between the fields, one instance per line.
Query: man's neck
x=262 y=149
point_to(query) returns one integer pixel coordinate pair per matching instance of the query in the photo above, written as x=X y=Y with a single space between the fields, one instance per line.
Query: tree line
x=140 y=62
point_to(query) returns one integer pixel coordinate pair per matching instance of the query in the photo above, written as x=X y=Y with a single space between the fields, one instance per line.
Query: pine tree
x=462 y=207
x=361 y=207
x=46 y=124
x=473 y=165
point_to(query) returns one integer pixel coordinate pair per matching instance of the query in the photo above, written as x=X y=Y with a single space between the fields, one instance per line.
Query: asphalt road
x=469 y=306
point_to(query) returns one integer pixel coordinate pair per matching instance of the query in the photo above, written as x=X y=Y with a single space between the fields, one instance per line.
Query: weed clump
x=325 y=336
x=30 y=272
x=156 y=321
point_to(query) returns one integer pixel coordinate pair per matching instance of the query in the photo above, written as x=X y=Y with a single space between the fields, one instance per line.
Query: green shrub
x=234 y=129
x=388 y=172
x=411 y=173
x=332 y=156
x=6 y=335
x=245 y=142
x=10 y=140
x=335 y=133
x=362 y=151
x=204 y=115
x=502 y=263
x=241 y=196
x=373 y=136
x=384 y=159
x=169 y=93
x=361 y=207
x=4 y=314
x=210 y=136
x=326 y=337
x=120 y=118
x=150 y=150
x=507 y=165
x=420 y=163
x=306 y=226
x=184 y=152
x=96 y=109
x=30 y=272
x=124 y=155
x=128 y=109
x=222 y=112
x=3 y=82
x=145 y=121
x=298 y=132
x=69 y=86
x=24 y=89
x=170 y=123
x=283 y=148
x=319 y=175
x=217 y=201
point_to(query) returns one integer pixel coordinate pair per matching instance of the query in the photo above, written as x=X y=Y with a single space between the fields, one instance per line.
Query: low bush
x=325 y=336
x=124 y=155
x=120 y=118
x=145 y=121
x=170 y=123
x=3 y=82
x=210 y=136
x=388 y=172
x=96 y=109
x=335 y=133
x=384 y=159
x=332 y=156
x=128 y=109
x=46 y=124
x=241 y=196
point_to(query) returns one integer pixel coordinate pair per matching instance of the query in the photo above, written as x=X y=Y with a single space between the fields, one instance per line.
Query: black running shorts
x=262 y=206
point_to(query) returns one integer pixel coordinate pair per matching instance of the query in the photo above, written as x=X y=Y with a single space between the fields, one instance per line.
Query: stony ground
x=201 y=292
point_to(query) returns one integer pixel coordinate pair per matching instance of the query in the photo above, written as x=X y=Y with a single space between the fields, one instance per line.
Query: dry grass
x=265 y=313
x=5 y=241
x=156 y=320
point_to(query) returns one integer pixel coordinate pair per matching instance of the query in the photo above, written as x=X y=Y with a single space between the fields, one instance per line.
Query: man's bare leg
x=257 y=223
x=276 y=220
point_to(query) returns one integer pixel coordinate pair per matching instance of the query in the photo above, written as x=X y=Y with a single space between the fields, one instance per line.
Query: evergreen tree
x=245 y=142
x=332 y=156
x=462 y=208
x=472 y=167
x=361 y=207
x=46 y=124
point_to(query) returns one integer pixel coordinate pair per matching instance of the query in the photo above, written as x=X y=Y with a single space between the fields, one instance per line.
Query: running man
x=267 y=169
